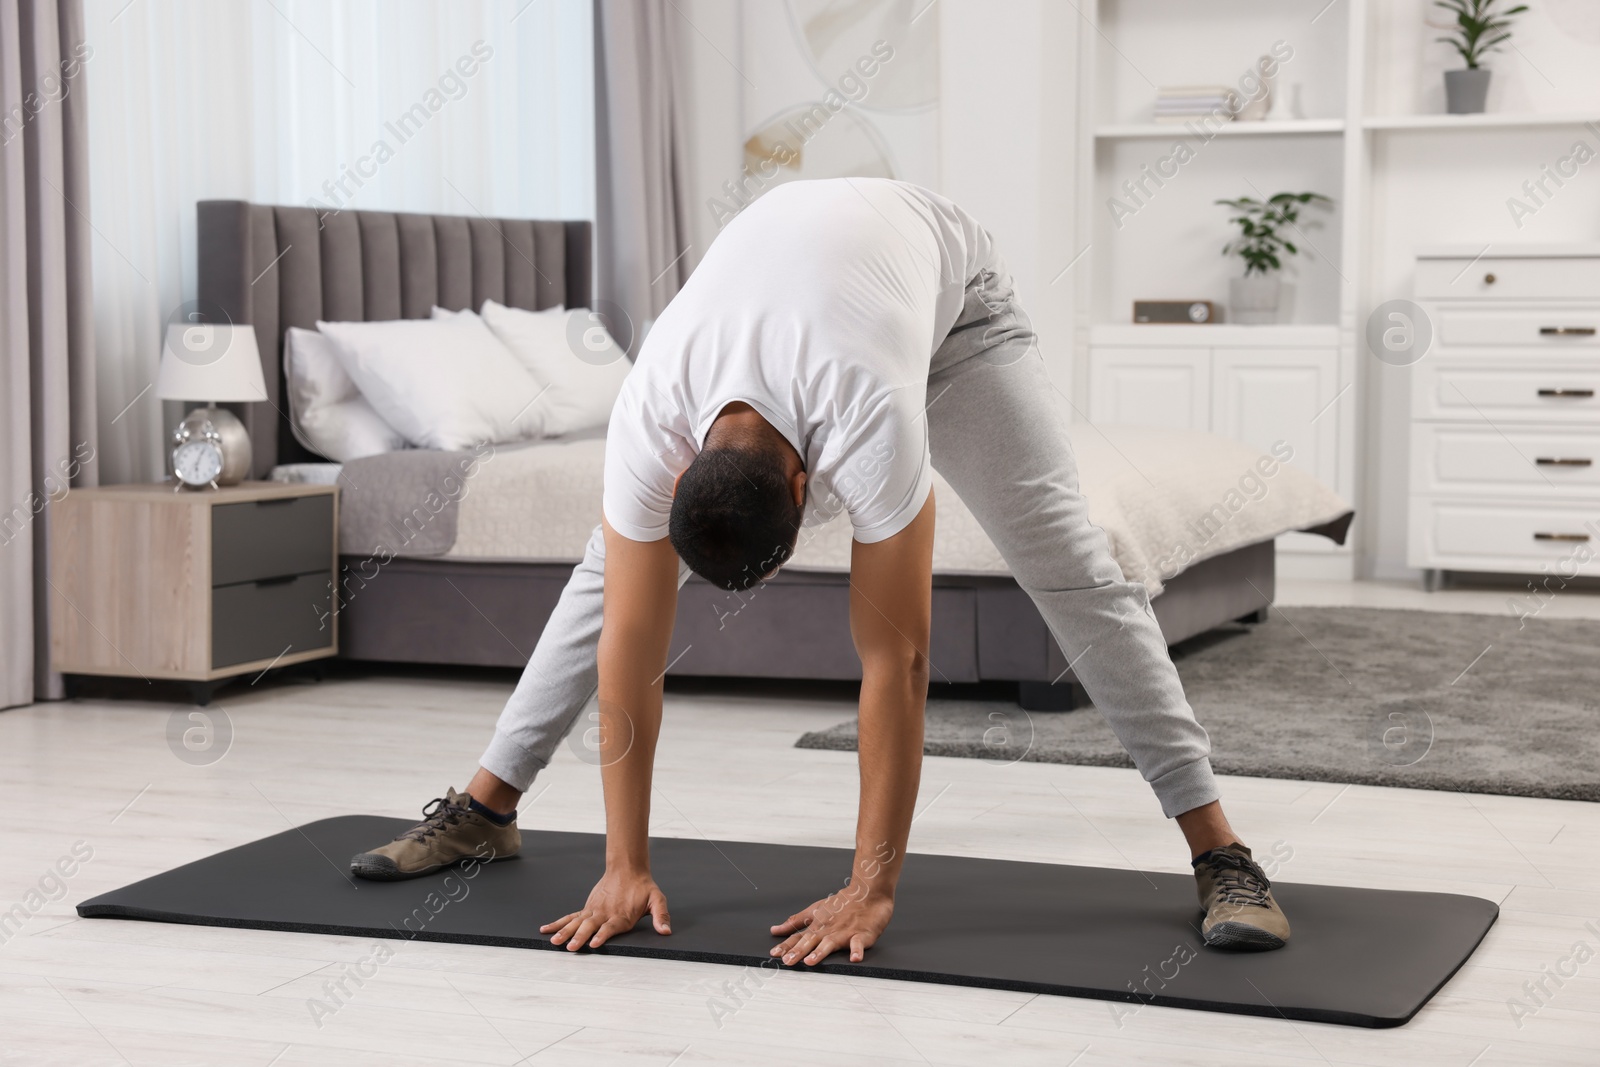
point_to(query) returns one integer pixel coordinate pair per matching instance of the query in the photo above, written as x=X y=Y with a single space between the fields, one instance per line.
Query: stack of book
x=1185 y=103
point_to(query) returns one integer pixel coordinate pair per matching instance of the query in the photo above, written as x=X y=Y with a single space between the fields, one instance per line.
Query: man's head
x=737 y=509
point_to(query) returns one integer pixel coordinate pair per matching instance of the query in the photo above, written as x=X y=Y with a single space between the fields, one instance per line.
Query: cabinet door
x=1168 y=387
x=1265 y=395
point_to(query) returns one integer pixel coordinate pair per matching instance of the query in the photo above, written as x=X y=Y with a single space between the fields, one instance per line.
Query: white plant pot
x=1254 y=299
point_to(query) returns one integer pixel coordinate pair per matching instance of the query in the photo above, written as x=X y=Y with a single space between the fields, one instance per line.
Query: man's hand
x=891 y=597
x=852 y=918
x=641 y=592
x=615 y=904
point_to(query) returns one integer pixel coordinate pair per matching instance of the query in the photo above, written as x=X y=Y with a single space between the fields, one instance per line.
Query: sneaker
x=1237 y=898
x=449 y=833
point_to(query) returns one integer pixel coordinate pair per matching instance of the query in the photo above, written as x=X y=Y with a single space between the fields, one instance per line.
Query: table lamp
x=205 y=362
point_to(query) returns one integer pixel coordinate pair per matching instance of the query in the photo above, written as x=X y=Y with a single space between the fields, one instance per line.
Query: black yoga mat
x=1361 y=957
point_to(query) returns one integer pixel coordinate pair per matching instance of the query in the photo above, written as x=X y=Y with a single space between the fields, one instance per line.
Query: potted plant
x=1254 y=298
x=1480 y=28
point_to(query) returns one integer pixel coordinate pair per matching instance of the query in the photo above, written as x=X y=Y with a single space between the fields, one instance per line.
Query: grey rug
x=1424 y=700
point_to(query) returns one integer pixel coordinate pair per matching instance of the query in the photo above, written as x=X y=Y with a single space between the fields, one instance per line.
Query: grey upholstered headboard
x=276 y=267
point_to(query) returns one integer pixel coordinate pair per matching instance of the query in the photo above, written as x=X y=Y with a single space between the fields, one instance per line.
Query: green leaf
x=1259 y=221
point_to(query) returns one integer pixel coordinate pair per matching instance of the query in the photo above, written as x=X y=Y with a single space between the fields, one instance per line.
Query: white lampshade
x=212 y=363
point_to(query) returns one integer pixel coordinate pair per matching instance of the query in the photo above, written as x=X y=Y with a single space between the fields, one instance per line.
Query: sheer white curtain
x=458 y=106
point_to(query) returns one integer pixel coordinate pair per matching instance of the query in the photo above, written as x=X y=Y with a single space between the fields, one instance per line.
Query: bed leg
x=1257 y=616
x=1048 y=696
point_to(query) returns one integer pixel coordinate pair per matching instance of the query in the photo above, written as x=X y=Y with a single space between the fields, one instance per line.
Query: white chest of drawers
x=1505 y=413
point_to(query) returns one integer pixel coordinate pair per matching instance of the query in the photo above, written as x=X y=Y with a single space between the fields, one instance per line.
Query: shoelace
x=1239 y=880
x=437 y=814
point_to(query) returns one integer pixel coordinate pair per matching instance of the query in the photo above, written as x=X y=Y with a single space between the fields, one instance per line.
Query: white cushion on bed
x=446 y=313
x=444 y=384
x=327 y=412
x=571 y=353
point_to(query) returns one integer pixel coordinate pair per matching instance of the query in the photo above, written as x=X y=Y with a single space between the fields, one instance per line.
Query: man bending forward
x=840 y=341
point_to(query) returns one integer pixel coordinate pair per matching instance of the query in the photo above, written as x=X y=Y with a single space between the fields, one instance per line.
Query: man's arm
x=640 y=600
x=891 y=605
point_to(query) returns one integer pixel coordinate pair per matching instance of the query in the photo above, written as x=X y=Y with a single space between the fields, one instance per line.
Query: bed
x=465 y=567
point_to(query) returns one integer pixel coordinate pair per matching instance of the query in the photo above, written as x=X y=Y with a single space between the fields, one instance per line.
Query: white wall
x=1006 y=146
x=999 y=141
x=708 y=42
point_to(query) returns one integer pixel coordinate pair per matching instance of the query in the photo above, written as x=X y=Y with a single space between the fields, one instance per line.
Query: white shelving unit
x=1488 y=121
x=1374 y=136
x=1154 y=232
x=1159 y=130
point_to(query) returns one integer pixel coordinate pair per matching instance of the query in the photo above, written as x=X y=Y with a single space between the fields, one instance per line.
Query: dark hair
x=733 y=516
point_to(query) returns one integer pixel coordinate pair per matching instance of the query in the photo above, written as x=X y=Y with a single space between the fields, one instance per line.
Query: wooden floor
x=87 y=992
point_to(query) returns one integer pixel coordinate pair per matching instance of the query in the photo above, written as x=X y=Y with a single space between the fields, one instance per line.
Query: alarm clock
x=215 y=447
x=197 y=457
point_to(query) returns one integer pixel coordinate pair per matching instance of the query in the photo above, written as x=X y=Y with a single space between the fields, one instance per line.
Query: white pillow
x=446 y=313
x=444 y=384
x=582 y=390
x=327 y=412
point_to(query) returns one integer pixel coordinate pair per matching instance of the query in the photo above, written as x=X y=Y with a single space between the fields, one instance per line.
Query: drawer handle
x=1567 y=392
x=1566 y=331
x=1548 y=461
x=1560 y=537
x=283 y=580
x=270 y=501
x=1489 y=279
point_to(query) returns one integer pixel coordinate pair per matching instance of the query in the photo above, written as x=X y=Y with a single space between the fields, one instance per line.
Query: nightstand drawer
x=267 y=619
x=271 y=538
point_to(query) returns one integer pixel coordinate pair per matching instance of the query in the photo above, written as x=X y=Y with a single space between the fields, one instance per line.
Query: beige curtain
x=47 y=416
x=642 y=249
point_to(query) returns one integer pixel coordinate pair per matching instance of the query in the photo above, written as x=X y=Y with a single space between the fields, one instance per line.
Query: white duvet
x=1165 y=498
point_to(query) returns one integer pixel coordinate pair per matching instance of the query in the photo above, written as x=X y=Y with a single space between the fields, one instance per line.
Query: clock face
x=197 y=462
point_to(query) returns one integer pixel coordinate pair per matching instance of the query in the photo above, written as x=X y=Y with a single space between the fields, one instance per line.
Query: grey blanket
x=404 y=503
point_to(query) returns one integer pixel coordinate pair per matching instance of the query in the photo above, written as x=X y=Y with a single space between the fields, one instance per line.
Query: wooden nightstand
x=197 y=586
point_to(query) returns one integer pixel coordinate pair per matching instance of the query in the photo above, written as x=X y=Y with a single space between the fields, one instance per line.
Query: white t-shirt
x=820 y=306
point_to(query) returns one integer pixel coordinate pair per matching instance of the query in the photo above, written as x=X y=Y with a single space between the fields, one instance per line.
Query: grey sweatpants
x=997 y=435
